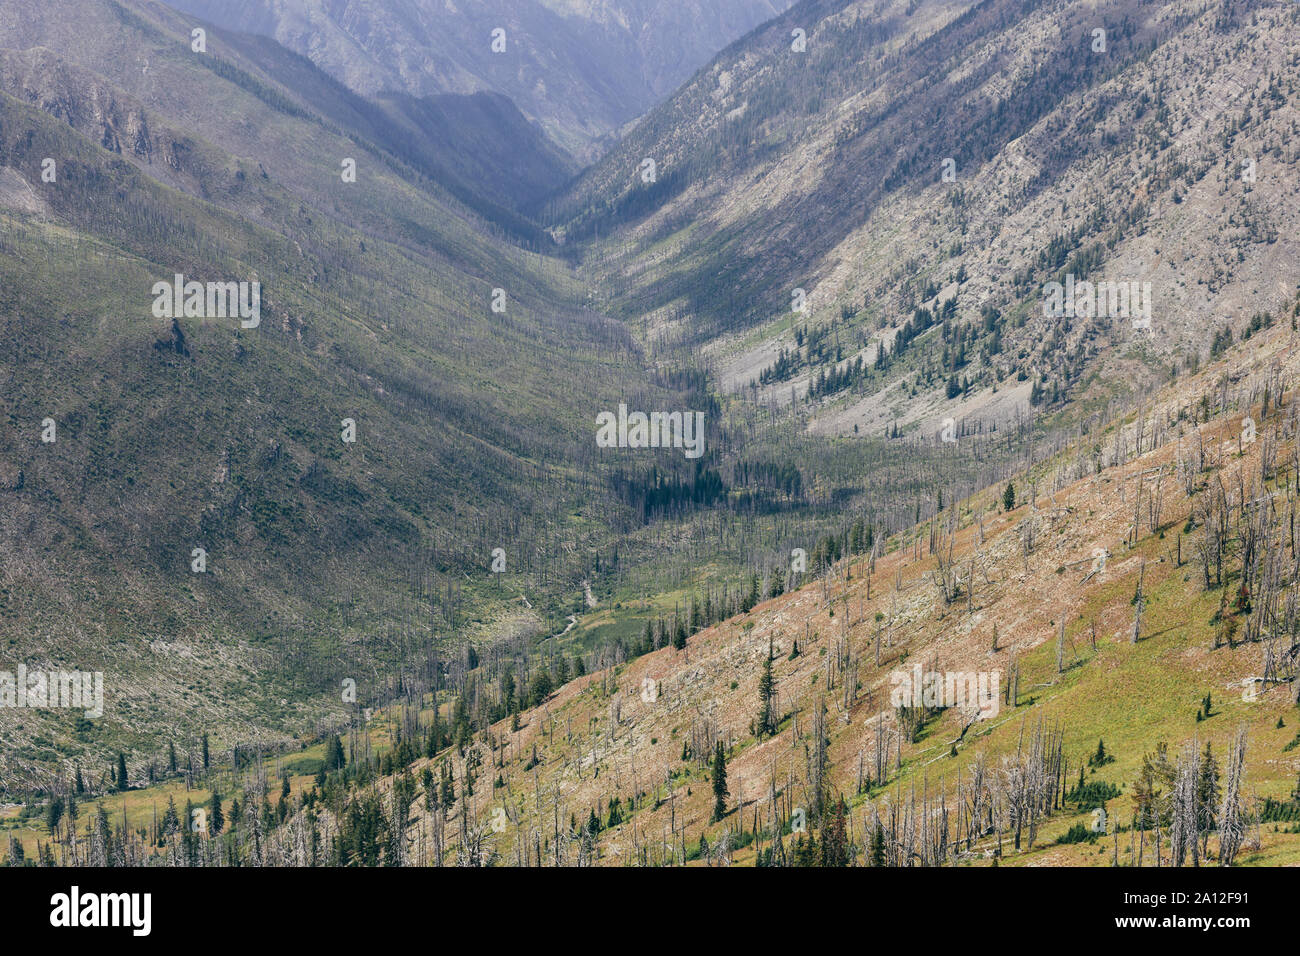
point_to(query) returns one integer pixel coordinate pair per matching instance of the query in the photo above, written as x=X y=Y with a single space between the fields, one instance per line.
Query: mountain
x=581 y=68
x=922 y=172
x=392 y=534
x=127 y=158
x=1117 y=618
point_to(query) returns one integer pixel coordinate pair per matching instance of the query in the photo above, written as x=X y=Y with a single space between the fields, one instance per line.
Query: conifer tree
x=878 y=846
x=766 y=687
x=719 y=782
x=835 y=838
x=216 y=820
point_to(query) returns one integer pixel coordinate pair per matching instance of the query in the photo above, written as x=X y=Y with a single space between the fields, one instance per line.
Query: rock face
x=16 y=193
x=581 y=68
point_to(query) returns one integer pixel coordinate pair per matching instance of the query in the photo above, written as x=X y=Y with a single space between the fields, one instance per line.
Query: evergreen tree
x=805 y=851
x=719 y=782
x=205 y=751
x=189 y=839
x=1101 y=757
x=878 y=846
x=1009 y=497
x=216 y=820
x=1208 y=793
x=53 y=814
x=835 y=838
x=121 y=770
x=171 y=756
x=334 y=758
x=766 y=687
x=171 y=821
x=542 y=685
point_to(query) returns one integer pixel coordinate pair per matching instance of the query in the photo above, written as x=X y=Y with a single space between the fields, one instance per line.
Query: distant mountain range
x=581 y=68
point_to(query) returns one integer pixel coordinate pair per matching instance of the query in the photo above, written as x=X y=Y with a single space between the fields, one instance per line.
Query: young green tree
x=334 y=759
x=835 y=837
x=216 y=820
x=121 y=770
x=766 y=688
x=205 y=751
x=171 y=821
x=53 y=814
x=719 y=782
x=541 y=686
x=878 y=846
x=1009 y=497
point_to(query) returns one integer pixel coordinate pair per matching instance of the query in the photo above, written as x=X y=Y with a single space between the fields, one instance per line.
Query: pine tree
x=719 y=783
x=1101 y=757
x=1009 y=497
x=216 y=820
x=171 y=821
x=766 y=687
x=171 y=757
x=334 y=758
x=121 y=770
x=878 y=846
x=1208 y=793
x=53 y=814
x=835 y=838
x=205 y=751
x=805 y=851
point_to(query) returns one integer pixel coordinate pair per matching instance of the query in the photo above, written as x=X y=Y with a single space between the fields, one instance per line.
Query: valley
x=441 y=467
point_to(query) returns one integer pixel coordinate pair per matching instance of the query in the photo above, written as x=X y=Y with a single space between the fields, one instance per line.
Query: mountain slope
x=473 y=426
x=1132 y=597
x=630 y=745
x=922 y=172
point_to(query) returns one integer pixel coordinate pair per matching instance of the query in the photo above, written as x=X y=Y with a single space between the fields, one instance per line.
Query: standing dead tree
x=1232 y=815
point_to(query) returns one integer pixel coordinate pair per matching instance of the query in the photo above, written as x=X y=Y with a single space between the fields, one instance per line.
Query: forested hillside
x=1134 y=594
x=323 y=555
x=986 y=313
x=859 y=207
